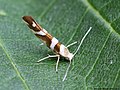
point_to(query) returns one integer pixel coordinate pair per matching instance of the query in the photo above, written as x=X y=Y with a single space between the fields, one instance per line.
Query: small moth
x=52 y=42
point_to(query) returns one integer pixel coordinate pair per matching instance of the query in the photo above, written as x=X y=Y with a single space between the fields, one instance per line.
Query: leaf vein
x=48 y=8
x=14 y=66
x=116 y=78
x=100 y=17
x=79 y=23
x=106 y=4
x=97 y=57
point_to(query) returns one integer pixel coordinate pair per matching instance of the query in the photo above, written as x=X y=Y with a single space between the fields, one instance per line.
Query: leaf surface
x=96 y=65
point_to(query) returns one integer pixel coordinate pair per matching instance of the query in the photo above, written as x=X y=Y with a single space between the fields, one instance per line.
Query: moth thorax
x=65 y=53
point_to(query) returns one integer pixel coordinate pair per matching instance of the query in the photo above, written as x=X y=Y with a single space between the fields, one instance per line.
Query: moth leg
x=49 y=56
x=67 y=71
x=43 y=59
x=72 y=44
x=57 y=63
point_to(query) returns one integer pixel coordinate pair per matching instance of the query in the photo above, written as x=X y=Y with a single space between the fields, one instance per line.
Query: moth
x=52 y=43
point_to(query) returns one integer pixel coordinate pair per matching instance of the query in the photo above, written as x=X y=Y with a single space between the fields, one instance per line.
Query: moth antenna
x=66 y=71
x=82 y=41
x=76 y=53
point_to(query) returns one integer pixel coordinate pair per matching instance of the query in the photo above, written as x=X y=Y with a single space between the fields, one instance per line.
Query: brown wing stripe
x=47 y=39
x=57 y=47
x=30 y=20
x=42 y=34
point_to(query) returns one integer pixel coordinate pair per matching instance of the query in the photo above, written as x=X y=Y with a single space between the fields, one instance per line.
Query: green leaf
x=96 y=65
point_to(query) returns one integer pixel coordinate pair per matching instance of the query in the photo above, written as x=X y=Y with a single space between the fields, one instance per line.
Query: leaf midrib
x=108 y=25
x=96 y=13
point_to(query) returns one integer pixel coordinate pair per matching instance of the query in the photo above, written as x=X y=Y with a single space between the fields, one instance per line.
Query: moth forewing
x=52 y=42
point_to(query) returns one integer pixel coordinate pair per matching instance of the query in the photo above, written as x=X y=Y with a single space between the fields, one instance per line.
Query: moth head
x=69 y=56
x=65 y=53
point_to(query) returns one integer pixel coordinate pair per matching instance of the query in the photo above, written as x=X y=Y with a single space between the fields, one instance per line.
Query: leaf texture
x=96 y=65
